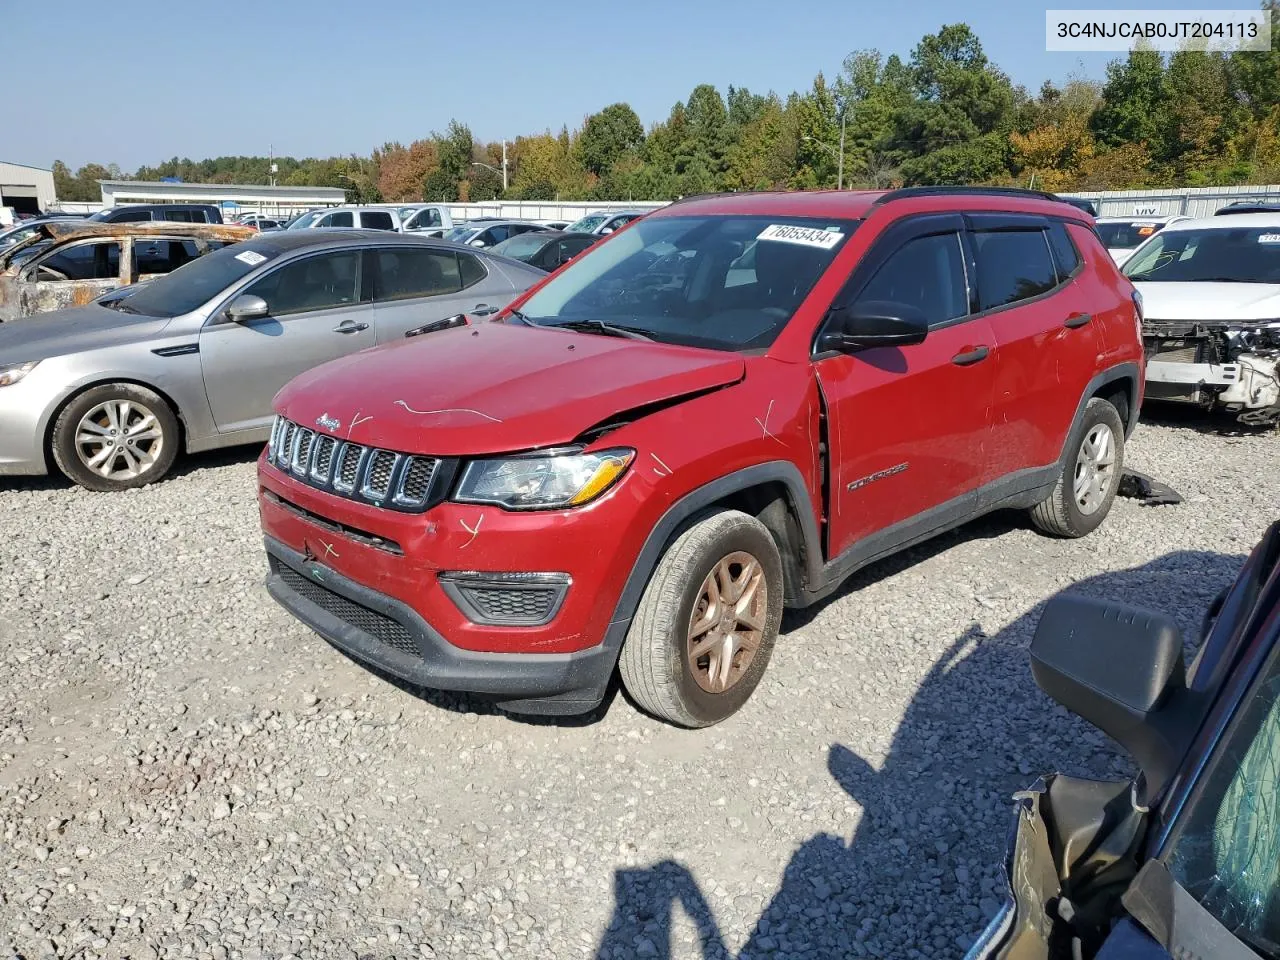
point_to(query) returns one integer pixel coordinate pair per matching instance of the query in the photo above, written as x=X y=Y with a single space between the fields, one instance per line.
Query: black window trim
x=1018 y=223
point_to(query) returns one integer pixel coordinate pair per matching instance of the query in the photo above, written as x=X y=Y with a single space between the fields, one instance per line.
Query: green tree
x=609 y=135
x=1134 y=102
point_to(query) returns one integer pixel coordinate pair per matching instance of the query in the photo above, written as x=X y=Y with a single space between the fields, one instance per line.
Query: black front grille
x=388 y=632
x=384 y=478
x=497 y=604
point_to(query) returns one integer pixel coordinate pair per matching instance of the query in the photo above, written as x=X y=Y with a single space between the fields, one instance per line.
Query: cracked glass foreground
x=1227 y=850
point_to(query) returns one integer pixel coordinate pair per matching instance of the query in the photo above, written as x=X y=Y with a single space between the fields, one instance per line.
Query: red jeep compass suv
x=724 y=409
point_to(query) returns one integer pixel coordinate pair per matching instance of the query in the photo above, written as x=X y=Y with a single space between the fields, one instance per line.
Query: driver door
x=315 y=313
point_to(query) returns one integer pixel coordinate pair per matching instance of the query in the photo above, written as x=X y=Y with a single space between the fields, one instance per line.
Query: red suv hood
x=495 y=388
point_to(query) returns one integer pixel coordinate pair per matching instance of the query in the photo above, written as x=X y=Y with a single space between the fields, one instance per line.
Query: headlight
x=13 y=372
x=542 y=481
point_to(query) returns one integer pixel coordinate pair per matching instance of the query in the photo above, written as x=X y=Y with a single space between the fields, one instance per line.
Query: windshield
x=17 y=235
x=1231 y=255
x=525 y=245
x=197 y=282
x=587 y=223
x=459 y=234
x=1124 y=236
x=306 y=220
x=729 y=283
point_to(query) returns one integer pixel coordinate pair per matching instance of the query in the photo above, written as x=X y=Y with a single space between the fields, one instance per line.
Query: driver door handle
x=970 y=356
x=350 y=326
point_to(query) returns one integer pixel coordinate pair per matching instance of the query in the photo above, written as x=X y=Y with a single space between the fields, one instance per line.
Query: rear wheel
x=115 y=437
x=707 y=622
x=1090 y=477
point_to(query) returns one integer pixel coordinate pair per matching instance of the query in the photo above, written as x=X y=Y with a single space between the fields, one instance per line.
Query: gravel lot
x=186 y=771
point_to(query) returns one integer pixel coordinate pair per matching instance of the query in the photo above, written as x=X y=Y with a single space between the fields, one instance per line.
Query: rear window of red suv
x=724 y=282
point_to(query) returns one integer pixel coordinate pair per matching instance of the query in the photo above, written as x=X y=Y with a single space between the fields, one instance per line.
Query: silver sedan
x=110 y=392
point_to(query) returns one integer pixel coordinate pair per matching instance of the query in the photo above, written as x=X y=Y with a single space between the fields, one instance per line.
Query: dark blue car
x=1183 y=860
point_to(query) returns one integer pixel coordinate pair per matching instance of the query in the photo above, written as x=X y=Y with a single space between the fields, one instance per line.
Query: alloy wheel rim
x=119 y=439
x=727 y=624
x=1095 y=469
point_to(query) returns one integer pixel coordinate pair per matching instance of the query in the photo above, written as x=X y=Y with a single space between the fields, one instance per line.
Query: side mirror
x=477 y=242
x=247 y=307
x=876 y=323
x=605 y=231
x=1121 y=669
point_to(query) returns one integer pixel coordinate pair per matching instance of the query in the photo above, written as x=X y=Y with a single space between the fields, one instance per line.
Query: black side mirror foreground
x=1120 y=668
x=877 y=323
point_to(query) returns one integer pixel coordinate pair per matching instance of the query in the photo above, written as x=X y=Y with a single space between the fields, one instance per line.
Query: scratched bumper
x=389 y=635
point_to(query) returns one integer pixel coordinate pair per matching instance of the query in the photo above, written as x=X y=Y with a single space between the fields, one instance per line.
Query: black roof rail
x=1247 y=206
x=905 y=193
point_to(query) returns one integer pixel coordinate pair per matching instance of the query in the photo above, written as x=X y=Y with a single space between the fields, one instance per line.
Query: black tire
x=162 y=448
x=1060 y=514
x=655 y=664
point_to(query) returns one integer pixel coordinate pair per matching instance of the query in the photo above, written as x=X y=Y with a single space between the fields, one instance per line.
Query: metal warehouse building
x=233 y=198
x=26 y=189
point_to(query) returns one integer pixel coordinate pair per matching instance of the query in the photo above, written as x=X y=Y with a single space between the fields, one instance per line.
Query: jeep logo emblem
x=328 y=422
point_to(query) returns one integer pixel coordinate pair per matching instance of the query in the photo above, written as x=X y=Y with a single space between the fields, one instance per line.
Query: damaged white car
x=1211 y=303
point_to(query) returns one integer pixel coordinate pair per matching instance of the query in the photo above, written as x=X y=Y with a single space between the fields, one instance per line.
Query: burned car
x=1211 y=306
x=1184 y=859
x=71 y=263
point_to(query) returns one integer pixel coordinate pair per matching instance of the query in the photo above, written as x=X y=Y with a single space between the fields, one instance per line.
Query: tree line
x=945 y=114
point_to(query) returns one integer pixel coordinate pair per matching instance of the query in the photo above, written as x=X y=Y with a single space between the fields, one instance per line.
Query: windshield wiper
x=599 y=326
x=122 y=307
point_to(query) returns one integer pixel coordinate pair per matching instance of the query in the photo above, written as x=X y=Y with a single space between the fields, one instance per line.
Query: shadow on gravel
x=186 y=464
x=1188 y=416
x=917 y=876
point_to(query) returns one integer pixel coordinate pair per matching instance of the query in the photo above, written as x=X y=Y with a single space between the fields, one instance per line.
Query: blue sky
x=323 y=77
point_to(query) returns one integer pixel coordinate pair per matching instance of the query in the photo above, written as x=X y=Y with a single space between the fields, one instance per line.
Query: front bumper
x=22 y=409
x=391 y=636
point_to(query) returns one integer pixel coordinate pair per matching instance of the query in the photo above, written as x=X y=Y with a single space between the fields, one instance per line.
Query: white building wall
x=27 y=178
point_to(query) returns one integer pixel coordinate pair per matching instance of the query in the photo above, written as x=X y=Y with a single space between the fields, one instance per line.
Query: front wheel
x=1090 y=476
x=115 y=437
x=706 y=625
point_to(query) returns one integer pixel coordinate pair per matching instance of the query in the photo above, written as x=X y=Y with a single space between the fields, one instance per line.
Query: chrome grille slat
x=373 y=475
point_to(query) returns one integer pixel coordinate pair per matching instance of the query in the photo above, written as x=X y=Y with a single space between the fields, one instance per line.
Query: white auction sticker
x=1269 y=238
x=805 y=236
x=251 y=258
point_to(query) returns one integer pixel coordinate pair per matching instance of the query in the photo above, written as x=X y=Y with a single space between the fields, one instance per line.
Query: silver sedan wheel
x=119 y=439
x=1095 y=469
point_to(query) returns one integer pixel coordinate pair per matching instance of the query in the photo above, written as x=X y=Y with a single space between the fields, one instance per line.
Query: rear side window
x=377 y=220
x=1065 y=255
x=926 y=273
x=1013 y=265
x=400 y=274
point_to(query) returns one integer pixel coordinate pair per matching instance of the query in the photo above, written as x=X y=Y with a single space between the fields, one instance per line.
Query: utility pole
x=504 y=166
x=271 y=165
x=840 y=164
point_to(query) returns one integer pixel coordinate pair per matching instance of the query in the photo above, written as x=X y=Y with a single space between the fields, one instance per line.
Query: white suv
x=1211 y=303
x=365 y=218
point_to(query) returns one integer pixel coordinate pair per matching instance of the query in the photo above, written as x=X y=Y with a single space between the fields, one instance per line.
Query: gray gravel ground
x=187 y=772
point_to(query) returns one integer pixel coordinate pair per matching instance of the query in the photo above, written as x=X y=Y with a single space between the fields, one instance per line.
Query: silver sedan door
x=417 y=285
x=314 y=314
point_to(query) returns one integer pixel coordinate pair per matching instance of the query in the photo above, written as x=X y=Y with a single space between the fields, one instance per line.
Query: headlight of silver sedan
x=545 y=481
x=11 y=373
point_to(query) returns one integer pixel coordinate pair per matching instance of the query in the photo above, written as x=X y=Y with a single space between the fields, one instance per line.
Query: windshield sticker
x=251 y=258
x=1269 y=238
x=805 y=236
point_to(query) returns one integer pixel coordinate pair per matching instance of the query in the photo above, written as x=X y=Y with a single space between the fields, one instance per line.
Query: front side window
x=182 y=216
x=315 y=283
x=1226 y=255
x=131 y=216
x=1012 y=265
x=1225 y=849
x=85 y=261
x=341 y=219
x=926 y=273
x=403 y=273
x=669 y=278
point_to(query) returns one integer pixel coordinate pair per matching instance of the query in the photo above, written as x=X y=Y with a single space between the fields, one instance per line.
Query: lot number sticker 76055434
x=805 y=236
